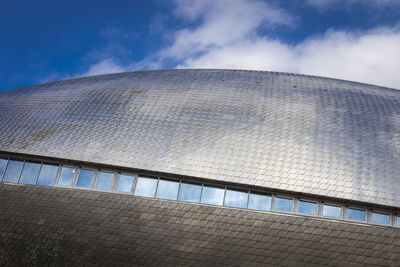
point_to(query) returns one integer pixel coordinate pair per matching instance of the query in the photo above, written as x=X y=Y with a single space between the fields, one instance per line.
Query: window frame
x=334 y=204
x=191 y=183
x=5 y=168
x=80 y=168
x=73 y=179
x=55 y=178
x=117 y=178
x=148 y=177
x=96 y=180
x=171 y=180
x=212 y=186
x=242 y=190
x=275 y=196
x=297 y=206
x=263 y=193
x=23 y=167
x=378 y=211
x=346 y=215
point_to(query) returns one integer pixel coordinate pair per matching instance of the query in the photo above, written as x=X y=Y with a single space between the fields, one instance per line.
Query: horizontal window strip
x=52 y=174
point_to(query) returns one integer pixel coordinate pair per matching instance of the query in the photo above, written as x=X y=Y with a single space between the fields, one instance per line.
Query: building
x=200 y=167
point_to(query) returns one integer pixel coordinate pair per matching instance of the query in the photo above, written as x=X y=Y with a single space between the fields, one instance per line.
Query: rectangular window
x=13 y=171
x=189 y=192
x=66 y=176
x=332 y=211
x=356 y=215
x=260 y=202
x=283 y=204
x=85 y=178
x=146 y=187
x=236 y=199
x=3 y=164
x=212 y=195
x=397 y=221
x=29 y=173
x=125 y=183
x=167 y=189
x=47 y=175
x=307 y=207
x=105 y=181
x=380 y=218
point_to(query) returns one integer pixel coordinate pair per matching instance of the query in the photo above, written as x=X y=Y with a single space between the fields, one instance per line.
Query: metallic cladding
x=293 y=132
x=50 y=226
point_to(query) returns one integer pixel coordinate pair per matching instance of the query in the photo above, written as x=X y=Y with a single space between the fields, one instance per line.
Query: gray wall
x=56 y=226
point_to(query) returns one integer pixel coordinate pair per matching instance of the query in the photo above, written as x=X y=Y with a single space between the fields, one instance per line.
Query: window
x=332 y=211
x=3 y=164
x=167 y=189
x=189 y=192
x=125 y=183
x=397 y=222
x=13 y=171
x=146 y=187
x=47 y=175
x=235 y=198
x=66 y=176
x=85 y=178
x=29 y=173
x=283 y=204
x=356 y=214
x=105 y=181
x=212 y=195
x=380 y=218
x=308 y=207
x=259 y=202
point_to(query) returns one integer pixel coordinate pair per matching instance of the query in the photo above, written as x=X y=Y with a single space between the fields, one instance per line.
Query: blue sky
x=44 y=41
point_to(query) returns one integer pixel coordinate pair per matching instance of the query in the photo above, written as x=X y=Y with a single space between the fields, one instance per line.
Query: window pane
x=105 y=181
x=47 y=175
x=355 y=214
x=307 y=207
x=3 y=164
x=13 y=171
x=29 y=173
x=66 y=176
x=212 y=195
x=380 y=218
x=189 y=192
x=167 y=189
x=125 y=183
x=260 y=202
x=398 y=220
x=85 y=178
x=237 y=199
x=146 y=187
x=283 y=204
x=332 y=211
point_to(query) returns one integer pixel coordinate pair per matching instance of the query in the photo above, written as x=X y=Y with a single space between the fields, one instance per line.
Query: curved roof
x=293 y=132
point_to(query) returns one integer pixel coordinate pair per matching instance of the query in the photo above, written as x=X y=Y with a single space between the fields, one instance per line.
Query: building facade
x=200 y=167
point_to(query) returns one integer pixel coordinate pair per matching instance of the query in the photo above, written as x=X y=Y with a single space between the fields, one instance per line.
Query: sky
x=42 y=41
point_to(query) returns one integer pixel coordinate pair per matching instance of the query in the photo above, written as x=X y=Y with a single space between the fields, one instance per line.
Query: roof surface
x=292 y=132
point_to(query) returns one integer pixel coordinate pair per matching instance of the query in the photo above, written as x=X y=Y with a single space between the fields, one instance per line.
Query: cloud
x=103 y=67
x=326 y=4
x=227 y=36
x=371 y=57
x=223 y=22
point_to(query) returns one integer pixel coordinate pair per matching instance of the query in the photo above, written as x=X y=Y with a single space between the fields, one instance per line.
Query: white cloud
x=103 y=67
x=227 y=37
x=325 y=4
x=223 y=22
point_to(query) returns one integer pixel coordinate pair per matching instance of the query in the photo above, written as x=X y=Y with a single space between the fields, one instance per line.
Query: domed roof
x=293 y=132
